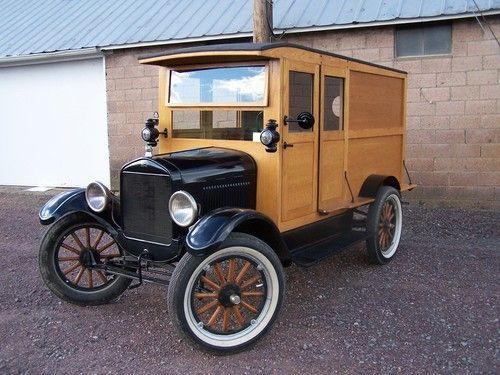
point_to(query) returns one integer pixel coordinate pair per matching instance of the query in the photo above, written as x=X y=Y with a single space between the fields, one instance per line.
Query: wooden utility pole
x=262 y=20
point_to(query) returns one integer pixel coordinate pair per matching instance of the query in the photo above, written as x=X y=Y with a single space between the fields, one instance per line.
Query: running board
x=310 y=255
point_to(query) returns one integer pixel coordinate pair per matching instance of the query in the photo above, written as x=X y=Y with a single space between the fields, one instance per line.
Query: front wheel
x=384 y=223
x=66 y=254
x=228 y=300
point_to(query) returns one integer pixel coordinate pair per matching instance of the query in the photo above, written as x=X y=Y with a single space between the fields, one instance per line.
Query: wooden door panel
x=331 y=173
x=331 y=185
x=300 y=162
x=298 y=181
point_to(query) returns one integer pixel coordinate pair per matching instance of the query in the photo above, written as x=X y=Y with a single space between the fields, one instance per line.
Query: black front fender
x=62 y=204
x=210 y=231
x=69 y=202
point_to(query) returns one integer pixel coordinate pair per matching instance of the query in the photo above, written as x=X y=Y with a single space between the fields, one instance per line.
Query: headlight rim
x=105 y=192
x=192 y=202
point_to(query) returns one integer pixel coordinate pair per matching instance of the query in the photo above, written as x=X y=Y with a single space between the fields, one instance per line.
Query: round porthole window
x=336 y=106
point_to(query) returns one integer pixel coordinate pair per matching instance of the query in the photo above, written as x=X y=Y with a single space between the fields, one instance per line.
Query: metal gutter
x=50 y=57
x=297 y=30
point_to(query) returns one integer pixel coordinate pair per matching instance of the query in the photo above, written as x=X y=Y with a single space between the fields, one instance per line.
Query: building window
x=422 y=41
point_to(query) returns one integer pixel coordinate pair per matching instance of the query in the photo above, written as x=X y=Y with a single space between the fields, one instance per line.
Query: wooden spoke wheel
x=385 y=224
x=79 y=249
x=229 y=295
x=226 y=301
x=68 y=252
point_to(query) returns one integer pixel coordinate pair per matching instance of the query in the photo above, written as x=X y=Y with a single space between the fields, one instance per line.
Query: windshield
x=219 y=86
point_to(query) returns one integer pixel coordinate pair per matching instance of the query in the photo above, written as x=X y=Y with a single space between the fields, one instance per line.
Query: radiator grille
x=144 y=202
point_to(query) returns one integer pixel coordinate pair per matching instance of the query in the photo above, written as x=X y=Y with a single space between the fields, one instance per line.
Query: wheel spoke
x=250 y=282
x=214 y=316
x=239 y=317
x=72 y=268
x=79 y=276
x=225 y=319
x=207 y=307
x=243 y=271
x=98 y=239
x=386 y=239
x=220 y=274
x=103 y=277
x=248 y=306
x=70 y=248
x=90 y=279
x=87 y=235
x=106 y=246
x=67 y=259
x=231 y=271
x=77 y=240
x=252 y=294
x=209 y=282
x=205 y=295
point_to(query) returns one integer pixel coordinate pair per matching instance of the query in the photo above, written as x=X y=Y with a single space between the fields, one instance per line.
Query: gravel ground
x=433 y=309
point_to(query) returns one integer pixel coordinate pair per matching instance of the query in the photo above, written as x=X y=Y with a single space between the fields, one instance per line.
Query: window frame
x=200 y=105
x=422 y=27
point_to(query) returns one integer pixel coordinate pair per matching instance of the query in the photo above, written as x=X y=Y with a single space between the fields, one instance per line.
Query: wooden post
x=262 y=27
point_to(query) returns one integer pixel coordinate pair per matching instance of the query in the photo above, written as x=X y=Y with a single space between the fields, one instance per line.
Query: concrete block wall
x=132 y=97
x=453 y=113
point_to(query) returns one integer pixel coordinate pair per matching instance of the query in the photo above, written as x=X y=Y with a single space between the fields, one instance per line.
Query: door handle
x=286 y=145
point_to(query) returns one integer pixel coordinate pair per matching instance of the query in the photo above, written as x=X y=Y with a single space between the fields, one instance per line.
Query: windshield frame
x=260 y=104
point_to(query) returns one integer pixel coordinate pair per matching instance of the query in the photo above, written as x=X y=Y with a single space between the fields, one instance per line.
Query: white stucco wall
x=53 y=124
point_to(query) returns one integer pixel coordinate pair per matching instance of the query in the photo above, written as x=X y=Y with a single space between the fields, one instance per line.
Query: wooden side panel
x=376 y=155
x=298 y=181
x=331 y=173
x=376 y=101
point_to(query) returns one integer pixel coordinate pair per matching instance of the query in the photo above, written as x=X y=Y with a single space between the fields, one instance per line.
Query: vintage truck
x=266 y=152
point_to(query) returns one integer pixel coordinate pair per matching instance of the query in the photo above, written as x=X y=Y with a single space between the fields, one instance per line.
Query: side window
x=423 y=40
x=333 y=106
x=300 y=97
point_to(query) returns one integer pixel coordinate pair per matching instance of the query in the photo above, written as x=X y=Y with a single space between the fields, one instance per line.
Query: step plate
x=310 y=255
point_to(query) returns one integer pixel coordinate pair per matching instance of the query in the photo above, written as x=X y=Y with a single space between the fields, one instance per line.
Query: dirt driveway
x=434 y=309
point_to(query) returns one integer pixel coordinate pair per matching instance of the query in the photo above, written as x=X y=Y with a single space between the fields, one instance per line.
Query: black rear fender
x=373 y=182
x=206 y=236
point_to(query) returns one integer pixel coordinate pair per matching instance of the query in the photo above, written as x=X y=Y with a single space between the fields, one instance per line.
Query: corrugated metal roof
x=34 y=26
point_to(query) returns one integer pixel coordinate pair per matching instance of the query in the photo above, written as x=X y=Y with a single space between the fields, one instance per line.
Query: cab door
x=331 y=184
x=300 y=146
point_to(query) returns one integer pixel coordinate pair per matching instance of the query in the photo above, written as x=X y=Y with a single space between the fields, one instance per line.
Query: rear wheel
x=66 y=254
x=228 y=300
x=384 y=222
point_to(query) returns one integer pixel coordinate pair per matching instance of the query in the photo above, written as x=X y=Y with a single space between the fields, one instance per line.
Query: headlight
x=98 y=196
x=183 y=208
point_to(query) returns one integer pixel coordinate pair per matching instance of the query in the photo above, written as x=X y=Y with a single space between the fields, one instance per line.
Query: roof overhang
x=51 y=57
x=238 y=52
x=297 y=30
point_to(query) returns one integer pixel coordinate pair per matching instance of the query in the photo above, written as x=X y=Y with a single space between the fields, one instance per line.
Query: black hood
x=211 y=163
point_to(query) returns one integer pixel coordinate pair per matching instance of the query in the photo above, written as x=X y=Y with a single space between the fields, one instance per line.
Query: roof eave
x=50 y=57
x=298 y=30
